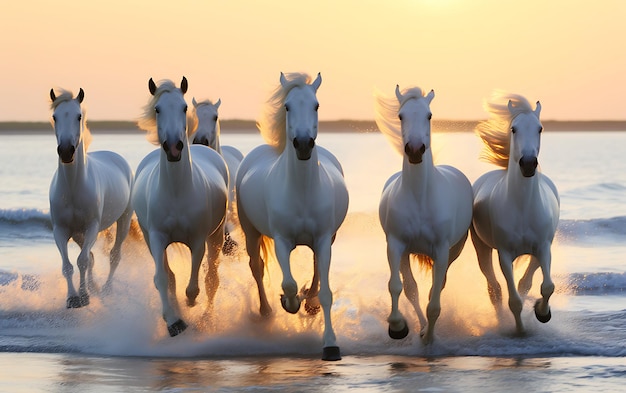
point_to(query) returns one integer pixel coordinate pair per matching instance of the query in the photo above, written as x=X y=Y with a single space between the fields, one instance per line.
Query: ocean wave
x=574 y=230
x=596 y=283
x=25 y=217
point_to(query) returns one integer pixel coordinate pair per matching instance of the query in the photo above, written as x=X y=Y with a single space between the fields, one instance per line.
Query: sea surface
x=120 y=343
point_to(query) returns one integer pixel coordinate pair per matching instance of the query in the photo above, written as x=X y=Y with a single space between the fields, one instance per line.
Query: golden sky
x=569 y=54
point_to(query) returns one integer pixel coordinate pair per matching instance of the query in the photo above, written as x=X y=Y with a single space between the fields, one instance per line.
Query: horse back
x=115 y=178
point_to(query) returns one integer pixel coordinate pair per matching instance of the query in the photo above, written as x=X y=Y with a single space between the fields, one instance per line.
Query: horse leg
x=515 y=301
x=91 y=284
x=398 y=327
x=322 y=254
x=410 y=287
x=312 y=302
x=212 y=279
x=525 y=283
x=542 y=308
x=289 y=299
x=484 y=253
x=158 y=245
x=257 y=266
x=61 y=238
x=121 y=231
x=85 y=262
x=433 y=310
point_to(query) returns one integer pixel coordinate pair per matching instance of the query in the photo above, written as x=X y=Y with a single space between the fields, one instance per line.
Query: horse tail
x=267 y=249
x=424 y=262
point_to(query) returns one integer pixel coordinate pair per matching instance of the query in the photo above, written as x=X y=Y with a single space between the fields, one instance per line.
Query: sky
x=568 y=54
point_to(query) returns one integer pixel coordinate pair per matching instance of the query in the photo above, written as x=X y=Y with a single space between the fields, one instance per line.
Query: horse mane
x=386 y=115
x=66 y=96
x=495 y=132
x=147 y=121
x=273 y=120
x=192 y=119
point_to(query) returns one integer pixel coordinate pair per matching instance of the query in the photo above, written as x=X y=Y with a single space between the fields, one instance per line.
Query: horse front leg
x=289 y=298
x=121 y=232
x=85 y=263
x=433 y=310
x=398 y=328
x=484 y=254
x=198 y=250
x=542 y=308
x=158 y=244
x=61 y=238
x=525 y=283
x=322 y=252
x=515 y=300
x=410 y=287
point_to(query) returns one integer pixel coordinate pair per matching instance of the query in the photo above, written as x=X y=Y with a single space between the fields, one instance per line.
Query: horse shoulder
x=210 y=164
x=232 y=152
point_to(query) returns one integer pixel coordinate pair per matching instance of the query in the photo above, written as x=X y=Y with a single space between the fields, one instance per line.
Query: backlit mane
x=192 y=120
x=272 y=122
x=147 y=121
x=67 y=96
x=495 y=132
x=386 y=115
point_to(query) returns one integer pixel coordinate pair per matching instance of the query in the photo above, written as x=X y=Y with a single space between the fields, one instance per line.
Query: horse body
x=207 y=132
x=425 y=210
x=180 y=196
x=294 y=193
x=89 y=192
x=516 y=210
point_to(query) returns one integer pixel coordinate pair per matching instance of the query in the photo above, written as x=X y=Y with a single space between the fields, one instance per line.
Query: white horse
x=516 y=209
x=425 y=210
x=205 y=130
x=89 y=192
x=180 y=195
x=293 y=191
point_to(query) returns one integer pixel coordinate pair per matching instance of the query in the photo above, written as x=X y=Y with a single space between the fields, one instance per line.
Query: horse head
x=415 y=115
x=67 y=118
x=525 y=131
x=207 y=131
x=170 y=111
x=301 y=116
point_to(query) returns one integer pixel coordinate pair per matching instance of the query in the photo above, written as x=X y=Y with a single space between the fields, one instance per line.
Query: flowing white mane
x=147 y=121
x=495 y=132
x=67 y=96
x=192 y=120
x=386 y=115
x=272 y=122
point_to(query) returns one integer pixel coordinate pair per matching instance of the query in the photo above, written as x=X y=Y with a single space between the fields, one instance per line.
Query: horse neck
x=177 y=175
x=416 y=177
x=519 y=188
x=303 y=174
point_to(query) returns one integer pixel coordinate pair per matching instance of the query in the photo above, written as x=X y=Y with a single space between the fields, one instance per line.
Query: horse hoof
x=399 y=334
x=177 y=328
x=291 y=310
x=542 y=318
x=77 y=301
x=331 y=354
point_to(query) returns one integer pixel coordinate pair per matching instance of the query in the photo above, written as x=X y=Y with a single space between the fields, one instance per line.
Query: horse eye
x=317 y=106
x=185 y=109
x=287 y=108
x=540 y=129
x=513 y=130
x=156 y=109
x=80 y=117
x=430 y=116
x=54 y=118
x=215 y=118
x=400 y=117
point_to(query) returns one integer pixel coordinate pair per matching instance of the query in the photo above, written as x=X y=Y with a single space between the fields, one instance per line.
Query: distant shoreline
x=249 y=126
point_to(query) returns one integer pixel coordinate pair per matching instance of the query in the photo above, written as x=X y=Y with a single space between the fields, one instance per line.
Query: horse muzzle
x=528 y=165
x=304 y=147
x=201 y=141
x=415 y=154
x=66 y=152
x=174 y=153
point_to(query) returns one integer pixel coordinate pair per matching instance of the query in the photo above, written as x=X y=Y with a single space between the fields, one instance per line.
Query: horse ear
x=398 y=94
x=81 y=95
x=510 y=106
x=430 y=96
x=152 y=86
x=538 y=109
x=193 y=101
x=53 y=96
x=317 y=82
x=283 y=80
x=218 y=103
x=184 y=85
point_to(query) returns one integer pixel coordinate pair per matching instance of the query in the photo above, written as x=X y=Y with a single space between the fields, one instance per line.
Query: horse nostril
x=165 y=146
x=407 y=149
x=179 y=145
x=311 y=143
x=423 y=149
x=296 y=144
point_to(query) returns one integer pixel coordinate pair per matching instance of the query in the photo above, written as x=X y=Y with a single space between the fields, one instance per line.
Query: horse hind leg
x=212 y=279
x=121 y=232
x=257 y=267
x=410 y=289
x=312 y=303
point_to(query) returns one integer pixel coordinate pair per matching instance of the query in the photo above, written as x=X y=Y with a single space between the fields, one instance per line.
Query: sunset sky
x=569 y=54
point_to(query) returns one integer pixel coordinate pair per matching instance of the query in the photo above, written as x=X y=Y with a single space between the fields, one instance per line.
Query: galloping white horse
x=293 y=191
x=516 y=209
x=89 y=192
x=180 y=195
x=425 y=210
x=205 y=130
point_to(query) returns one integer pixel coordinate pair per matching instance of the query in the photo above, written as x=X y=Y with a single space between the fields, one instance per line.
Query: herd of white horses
x=291 y=192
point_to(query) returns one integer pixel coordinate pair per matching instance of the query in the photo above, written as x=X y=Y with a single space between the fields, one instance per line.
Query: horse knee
x=547 y=289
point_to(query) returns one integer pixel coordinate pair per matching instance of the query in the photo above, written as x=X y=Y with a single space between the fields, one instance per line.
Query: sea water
x=119 y=342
